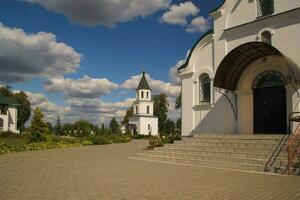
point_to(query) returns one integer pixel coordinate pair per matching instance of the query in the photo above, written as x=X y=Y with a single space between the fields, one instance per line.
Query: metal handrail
x=292 y=144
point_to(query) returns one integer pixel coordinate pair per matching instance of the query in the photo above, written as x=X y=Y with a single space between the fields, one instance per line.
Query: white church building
x=143 y=120
x=243 y=76
x=8 y=114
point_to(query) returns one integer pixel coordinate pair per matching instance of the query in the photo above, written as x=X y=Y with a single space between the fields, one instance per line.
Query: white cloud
x=157 y=86
x=199 y=24
x=173 y=74
x=173 y=114
x=96 y=110
x=85 y=87
x=50 y=109
x=103 y=12
x=93 y=110
x=24 y=56
x=178 y=14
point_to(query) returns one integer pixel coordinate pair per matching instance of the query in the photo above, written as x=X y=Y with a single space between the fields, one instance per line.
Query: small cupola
x=143 y=90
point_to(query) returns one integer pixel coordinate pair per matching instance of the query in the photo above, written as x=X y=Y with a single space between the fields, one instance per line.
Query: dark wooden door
x=270 y=110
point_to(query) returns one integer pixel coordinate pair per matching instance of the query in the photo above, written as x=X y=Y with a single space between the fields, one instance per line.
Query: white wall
x=218 y=117
x=153 y=125
x=10 y=120
x=5 y=122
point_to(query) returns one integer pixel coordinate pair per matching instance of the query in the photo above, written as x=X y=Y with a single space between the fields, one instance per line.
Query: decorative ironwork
x=265 y=7
x=269 y=79
x=204 y=88
x=293 y=145
x=232 y=103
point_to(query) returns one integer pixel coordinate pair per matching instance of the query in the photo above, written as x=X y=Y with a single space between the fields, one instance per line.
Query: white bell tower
x=146 y=123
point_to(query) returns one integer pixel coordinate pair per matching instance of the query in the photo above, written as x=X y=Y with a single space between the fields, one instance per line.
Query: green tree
x=50 y=127
x=68 y=129
x=178 y=102
x=169 y=128
x=178 y=124
x=24 y=110
x=58 y=128
x=178 y=106
x=114 y=126
x=6 y=91
x=161 y=109
x=38 y=128
x=125 y=121
x=83 y=128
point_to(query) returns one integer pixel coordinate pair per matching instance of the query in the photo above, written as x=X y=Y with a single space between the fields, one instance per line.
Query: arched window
x=1 y=123
x=265 y=7
x=149 y=127
x=147 y=95
x=204 y=88
x=148 y=109
x=142 y=94
x=266 y=37
x=269 y=79
x=136 y=109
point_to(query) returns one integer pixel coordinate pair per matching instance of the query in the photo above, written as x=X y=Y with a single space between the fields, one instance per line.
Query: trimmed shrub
x=121 y=138
x=98 y=140
x=155 y=141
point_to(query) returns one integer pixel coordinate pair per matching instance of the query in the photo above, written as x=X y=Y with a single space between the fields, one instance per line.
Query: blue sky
x=105 y=47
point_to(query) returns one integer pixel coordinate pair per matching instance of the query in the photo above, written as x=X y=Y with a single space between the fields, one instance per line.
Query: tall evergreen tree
x=38 y=128
x=114 y=126
x=161 y=109
x=58 y=127
x=178 y=102
x=125 y=121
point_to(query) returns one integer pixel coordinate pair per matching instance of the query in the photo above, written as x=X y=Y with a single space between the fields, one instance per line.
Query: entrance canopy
x=234 y=63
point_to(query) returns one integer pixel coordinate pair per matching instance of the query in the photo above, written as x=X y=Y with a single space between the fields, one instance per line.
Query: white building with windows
x=8 y=114
x=242 y=77
x=143 y=121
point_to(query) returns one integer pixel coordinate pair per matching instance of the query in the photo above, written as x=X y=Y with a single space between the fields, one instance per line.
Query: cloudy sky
x=82 y=59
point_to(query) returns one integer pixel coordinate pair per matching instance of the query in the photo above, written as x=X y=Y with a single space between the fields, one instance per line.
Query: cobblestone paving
x=106 y=173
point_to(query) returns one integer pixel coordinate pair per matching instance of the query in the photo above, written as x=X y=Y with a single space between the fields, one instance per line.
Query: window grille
x=265 y=7
x=204 y=87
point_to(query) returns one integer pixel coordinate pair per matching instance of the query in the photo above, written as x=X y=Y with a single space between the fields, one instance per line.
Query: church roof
x=217 y=8
x=211 y=31
x=143 y=85
x=8 y=101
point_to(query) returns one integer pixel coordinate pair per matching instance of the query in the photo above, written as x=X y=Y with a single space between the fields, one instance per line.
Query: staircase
x=260 y=153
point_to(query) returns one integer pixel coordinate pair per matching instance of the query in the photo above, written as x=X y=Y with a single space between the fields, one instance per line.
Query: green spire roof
x=8 y=101
x=143 y=83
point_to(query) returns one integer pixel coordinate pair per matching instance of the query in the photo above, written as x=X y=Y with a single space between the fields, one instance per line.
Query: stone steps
x=215 y=153
x=235 y=140
x=243 y=152
x=203 y=163
x=257 y=161
x=230 y=144
x=222 y=149
x=235 y=136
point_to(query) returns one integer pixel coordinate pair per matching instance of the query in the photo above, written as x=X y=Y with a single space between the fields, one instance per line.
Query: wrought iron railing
x=293 y=144
x=265 y=7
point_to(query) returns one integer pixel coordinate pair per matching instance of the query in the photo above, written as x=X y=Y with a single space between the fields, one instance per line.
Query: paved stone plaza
x=106 y=172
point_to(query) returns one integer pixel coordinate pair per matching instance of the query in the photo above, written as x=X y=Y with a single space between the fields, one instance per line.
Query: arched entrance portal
x=269 y=103
x=253 y=78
